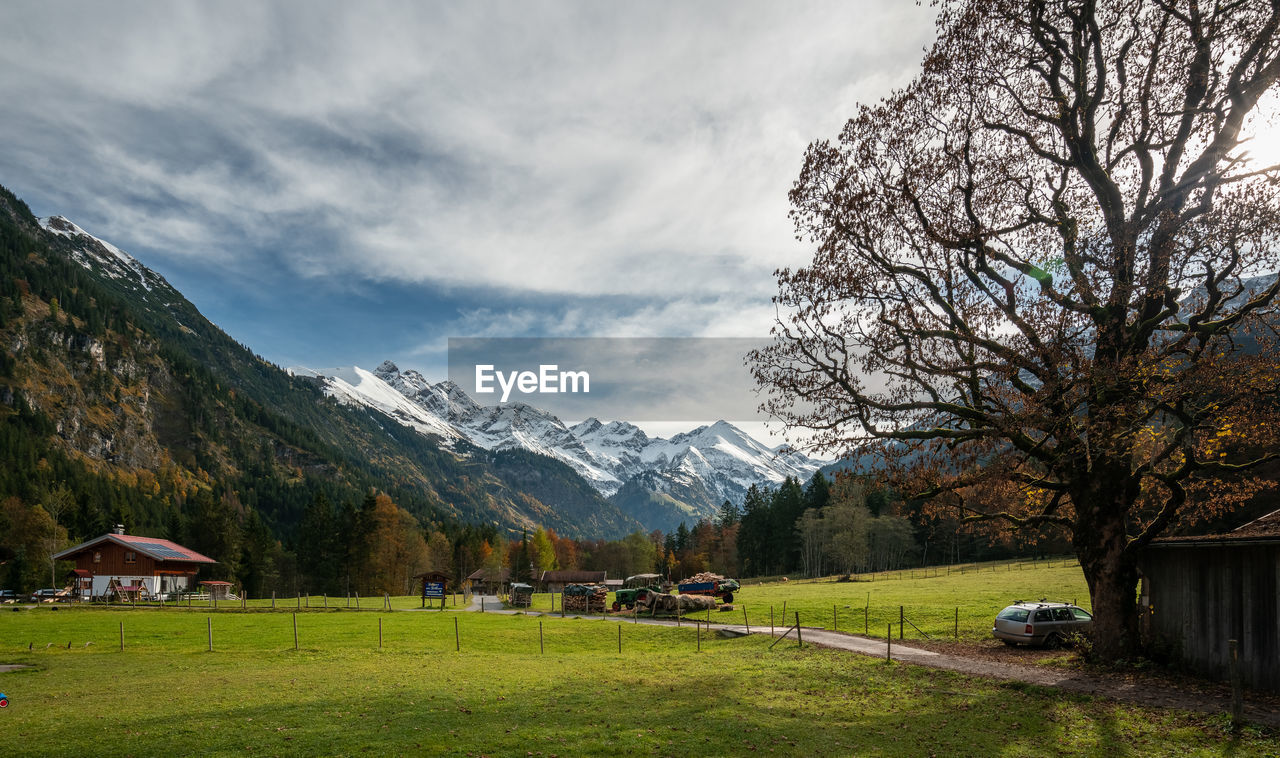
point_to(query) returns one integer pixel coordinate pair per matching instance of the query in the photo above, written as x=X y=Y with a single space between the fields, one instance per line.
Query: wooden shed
x=1199 y=592
x=556 y=581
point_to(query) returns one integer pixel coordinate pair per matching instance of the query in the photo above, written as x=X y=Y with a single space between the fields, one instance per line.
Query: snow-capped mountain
x=92 y=252
x=682 y=478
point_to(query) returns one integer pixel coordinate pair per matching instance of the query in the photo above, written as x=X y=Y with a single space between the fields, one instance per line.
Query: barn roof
x=1263 y=529
x=490 y=575
x=152 y=547
x=1266 y=526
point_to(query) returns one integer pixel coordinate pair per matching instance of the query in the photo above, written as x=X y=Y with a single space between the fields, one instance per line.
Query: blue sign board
x=433 y=589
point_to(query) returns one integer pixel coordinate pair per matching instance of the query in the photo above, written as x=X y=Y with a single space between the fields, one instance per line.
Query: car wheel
x=728 y=597
x=616 y=606
x=1053 y=641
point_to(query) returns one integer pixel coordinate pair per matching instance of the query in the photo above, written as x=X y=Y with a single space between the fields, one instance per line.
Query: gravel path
x=1146 y=690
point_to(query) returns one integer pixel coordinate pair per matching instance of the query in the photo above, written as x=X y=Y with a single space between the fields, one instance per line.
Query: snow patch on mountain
x=113 y=261
x=720 y=461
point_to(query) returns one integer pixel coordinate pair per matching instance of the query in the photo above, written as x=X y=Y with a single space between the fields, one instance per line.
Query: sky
x=339 y=184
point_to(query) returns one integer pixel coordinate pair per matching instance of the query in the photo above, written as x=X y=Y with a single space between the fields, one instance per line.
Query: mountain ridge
x=681 y=479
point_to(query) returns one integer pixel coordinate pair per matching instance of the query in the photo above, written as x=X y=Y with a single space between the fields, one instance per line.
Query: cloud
x=540 y=147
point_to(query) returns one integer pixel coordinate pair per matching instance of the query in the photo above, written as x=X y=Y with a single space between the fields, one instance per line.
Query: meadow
x=935 y=602
x=529 y=685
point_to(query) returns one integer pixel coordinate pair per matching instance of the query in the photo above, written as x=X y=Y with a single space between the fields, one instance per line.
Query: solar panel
x=166 y=552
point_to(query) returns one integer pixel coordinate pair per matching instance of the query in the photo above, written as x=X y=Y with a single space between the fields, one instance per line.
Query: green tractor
x=632 y=587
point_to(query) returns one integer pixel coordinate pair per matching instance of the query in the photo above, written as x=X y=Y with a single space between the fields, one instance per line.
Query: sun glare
x=1260 y=138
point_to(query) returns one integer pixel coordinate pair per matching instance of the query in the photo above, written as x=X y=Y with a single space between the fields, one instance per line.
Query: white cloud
x=541 y=147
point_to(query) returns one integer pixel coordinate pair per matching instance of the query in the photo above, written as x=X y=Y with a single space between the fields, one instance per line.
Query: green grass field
x=340 y=694
x=931 y=600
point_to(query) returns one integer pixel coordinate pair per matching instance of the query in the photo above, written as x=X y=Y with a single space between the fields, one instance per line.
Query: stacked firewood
x=584 y=598
x=705 y=576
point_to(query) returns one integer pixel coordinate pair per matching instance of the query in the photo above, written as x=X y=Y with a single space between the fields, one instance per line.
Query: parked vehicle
x=721 y=588
x=49 y=595
x=632 y=587
x=9 y=596
x=1040 y=623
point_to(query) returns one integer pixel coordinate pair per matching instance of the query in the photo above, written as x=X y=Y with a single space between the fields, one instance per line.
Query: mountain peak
x=386 y=369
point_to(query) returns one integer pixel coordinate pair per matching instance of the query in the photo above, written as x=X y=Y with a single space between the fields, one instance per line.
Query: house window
x=130 y=556
x=97 y=557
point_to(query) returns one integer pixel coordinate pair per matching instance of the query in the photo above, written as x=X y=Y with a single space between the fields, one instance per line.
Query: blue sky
x=342 y=183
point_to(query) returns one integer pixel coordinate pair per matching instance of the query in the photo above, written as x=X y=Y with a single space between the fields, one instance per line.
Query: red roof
x=152 y=547
x=217 y=582
x=163 y=549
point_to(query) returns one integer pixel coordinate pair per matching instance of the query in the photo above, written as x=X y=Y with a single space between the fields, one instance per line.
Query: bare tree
x=1037 y=269
x=57 y=501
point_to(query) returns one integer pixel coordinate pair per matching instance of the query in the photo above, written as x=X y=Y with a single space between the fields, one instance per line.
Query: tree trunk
x=1111 y=572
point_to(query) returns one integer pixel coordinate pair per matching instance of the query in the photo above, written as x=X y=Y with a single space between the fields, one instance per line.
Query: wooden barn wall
x=113 y=563
x=1201 y=597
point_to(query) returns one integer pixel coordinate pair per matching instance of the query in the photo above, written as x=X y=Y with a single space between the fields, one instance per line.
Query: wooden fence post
x=745 y=621
x=901 y=616
x=457 y=640
x=799 y=641
x=295 y=631
x=1237 y=692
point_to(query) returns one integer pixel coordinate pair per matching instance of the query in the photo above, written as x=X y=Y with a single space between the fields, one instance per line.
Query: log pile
x=584 y=598
x=705 y=576
x=521 y=595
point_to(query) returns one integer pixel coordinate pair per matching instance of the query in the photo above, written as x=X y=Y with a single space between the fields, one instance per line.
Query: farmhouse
x=490 y=581
x=555 y=581
x=131 y=567
x=1200 y=592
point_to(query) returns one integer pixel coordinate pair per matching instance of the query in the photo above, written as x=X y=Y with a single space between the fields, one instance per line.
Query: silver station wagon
x=1041 y=623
